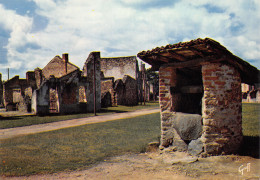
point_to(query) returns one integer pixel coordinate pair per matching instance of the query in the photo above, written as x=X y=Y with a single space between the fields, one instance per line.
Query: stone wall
x=119 y=66
x=58 y=67
x=88 y=71
x=119 y=92
x=107 y=86
x=214 y=129
x=131 y=91
x=13 y=92
x=1 y=91
x=221 y=109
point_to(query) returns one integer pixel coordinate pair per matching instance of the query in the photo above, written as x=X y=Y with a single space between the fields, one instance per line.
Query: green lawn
x=18 y=121
x=81 y=147
x=251 y=119
x=251 y=130
x=77 y=147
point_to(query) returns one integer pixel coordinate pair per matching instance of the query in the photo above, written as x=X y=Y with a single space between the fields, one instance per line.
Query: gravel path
x=12 y=132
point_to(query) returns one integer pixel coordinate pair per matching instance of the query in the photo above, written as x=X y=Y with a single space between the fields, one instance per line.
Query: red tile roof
x=196 y=52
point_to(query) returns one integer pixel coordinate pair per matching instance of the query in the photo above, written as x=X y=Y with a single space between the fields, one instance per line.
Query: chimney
x=65 y=56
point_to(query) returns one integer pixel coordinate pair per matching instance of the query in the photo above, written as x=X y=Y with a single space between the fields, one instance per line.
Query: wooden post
x=8 y=73
x=141 y=85
x=94 y=84
x=144 y=84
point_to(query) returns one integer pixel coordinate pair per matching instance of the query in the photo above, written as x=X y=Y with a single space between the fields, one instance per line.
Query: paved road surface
x=12 y=132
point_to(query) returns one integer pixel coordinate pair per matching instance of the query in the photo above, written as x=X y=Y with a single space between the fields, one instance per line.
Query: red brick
x=220 y=82
x=164 y=91
x=210 y=78
x=207 y=83
x=165 y=77
x=164 y=99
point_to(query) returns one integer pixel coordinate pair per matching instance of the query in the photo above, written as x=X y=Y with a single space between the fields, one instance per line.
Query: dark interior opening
x=188 y=90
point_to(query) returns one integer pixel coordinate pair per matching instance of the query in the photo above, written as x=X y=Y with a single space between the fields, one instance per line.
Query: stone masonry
x=221 y=109
x=200 y=96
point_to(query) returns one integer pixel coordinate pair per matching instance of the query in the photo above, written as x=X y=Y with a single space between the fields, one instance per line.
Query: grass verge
x=77 y=147
x=251 y=130
x=19 y=121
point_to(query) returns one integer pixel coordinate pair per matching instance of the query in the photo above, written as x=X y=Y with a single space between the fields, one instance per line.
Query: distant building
x=1 y=91
x=250 y=93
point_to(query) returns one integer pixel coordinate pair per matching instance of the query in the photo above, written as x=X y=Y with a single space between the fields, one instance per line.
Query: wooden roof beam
x=196 y=62
x=176 y=55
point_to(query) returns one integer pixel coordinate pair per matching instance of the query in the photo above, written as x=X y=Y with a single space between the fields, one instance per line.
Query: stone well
x=200 y=96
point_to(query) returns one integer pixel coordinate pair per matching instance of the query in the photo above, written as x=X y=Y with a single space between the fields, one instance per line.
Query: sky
x=32 y=32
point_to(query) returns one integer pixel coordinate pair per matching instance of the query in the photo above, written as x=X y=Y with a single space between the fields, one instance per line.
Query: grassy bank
x=18 y=121
x=78 y=147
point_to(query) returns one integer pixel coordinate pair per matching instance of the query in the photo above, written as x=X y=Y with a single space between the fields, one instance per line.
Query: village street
x=12 y=132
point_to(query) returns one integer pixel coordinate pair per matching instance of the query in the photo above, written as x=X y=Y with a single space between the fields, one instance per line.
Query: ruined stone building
x=1 y=91
x=60 y=87
x=63 y=88
x=120 y=80
x=250 y=93
x=17 y=93
x=200 y=95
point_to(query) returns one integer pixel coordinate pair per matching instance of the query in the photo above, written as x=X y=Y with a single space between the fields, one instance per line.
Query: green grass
x=83 y=146
x=18 y=121
x=251 y=130
x=77 y=147
x=251 y=117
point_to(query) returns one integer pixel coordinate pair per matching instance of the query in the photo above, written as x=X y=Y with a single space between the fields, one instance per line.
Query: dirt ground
x=170 y=165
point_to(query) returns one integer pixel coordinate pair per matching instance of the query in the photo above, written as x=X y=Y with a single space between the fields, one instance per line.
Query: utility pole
x=141 y=84
x=144 y=83
x=7 y=73
x=94 y=84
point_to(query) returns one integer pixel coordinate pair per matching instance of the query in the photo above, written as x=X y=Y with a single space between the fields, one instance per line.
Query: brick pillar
x=221 y=109
x=167 y=79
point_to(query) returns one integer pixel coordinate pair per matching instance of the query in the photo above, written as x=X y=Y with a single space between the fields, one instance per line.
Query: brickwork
x=167 y=79
x=221 y=109
x=200 y=95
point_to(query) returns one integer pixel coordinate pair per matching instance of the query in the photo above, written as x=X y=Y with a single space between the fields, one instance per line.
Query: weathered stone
x=195 y=147
x=152 y=147
x=171 y=137
x=188 y=126
x=184 y=160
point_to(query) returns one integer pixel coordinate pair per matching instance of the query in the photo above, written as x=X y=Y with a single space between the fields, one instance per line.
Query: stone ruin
x=61 y=87
x=200 y=96
x=251 y=93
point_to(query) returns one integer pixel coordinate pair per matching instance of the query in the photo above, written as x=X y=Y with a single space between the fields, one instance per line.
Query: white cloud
x=19 y=27
x=122 y=28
